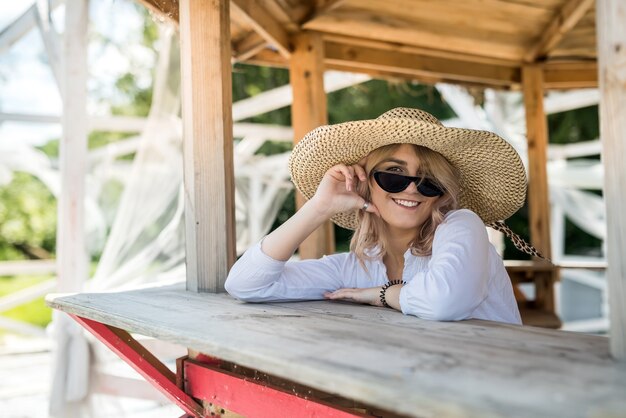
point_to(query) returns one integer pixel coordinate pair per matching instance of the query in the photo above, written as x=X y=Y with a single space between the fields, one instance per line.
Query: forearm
x=283 y=241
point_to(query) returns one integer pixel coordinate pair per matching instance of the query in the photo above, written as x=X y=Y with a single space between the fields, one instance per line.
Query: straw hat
x=493 y=179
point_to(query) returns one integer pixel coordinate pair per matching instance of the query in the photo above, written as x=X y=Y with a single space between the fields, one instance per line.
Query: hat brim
x=493 y=178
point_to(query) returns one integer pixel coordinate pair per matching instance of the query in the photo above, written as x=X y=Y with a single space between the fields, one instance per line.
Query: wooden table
x=375 y=356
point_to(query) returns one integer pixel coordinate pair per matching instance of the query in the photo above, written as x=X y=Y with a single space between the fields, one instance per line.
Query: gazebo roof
x=463 y=41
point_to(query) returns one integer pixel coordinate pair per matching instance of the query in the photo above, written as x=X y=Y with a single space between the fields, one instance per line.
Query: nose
x=412 y=187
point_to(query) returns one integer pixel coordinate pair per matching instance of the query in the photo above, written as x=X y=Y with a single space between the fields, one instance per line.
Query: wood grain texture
x=264 y=24
x=612 y=68
x=308 y=111
x=537 y=137
x=207 y=143
x=570 y=75
x=420 y=66
x=423 y=33
x=379 y=356
x=72 y=259
x=563 y=21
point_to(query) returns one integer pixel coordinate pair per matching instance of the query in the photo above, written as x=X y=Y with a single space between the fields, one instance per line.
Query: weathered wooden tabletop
x=379 y=356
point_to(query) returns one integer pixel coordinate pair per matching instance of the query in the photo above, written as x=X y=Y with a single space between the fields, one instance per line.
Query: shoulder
x=462 y=221
x=462 y=217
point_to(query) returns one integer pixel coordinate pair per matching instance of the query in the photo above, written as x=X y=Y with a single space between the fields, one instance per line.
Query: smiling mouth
x=406 y=203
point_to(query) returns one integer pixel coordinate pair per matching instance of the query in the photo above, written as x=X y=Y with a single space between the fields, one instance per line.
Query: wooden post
x=538 y=193
x=537 y=136
x=71 y=249
x=308 y=111
x=612 y=74
x=208 y=144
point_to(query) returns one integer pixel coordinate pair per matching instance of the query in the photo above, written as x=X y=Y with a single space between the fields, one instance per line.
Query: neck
x=398 y=244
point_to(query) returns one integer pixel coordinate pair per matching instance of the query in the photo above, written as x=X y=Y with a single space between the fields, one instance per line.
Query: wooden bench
x=373 y=359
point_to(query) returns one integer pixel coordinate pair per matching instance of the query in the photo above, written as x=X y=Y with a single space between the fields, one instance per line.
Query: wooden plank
x=426 y=34
x=143 y=362
x=250 y=398
x=537 y=137
x=612 y=56
x=72 y=258
x=416 y=50
x=308 y=111
x=495 y=17
x=288 y=14
x=208 y=143
x=379 y=356
x=564 y=20
x=264 y=24
x=248 y=47
x=420 y=66
x=570 y=75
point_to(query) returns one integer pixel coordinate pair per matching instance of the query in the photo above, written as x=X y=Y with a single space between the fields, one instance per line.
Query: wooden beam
x=167 y=9
x=20 y=26
x=248 y=46
x=264 y=24
x=612 y=73
x=323 y=7
x=285 y=13
x=565 y=19
x=427 y=34
x=308 y=111
x=208 y=143
x=418 y=66
x=417 y=50
x=570 y=75
x=537 y=136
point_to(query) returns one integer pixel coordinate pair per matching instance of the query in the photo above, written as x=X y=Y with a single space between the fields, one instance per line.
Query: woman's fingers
x=348 y=174
x=360 y=172
x=340 y=294
x=370 y=295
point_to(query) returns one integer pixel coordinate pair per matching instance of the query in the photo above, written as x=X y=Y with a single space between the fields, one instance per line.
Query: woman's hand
x=369 y=295
x=337 y=191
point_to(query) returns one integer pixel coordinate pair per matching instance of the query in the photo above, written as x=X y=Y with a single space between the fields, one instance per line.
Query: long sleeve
x=457 y=278
x=256 y=277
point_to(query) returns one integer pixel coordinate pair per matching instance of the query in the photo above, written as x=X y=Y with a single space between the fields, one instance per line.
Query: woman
x=418 y=196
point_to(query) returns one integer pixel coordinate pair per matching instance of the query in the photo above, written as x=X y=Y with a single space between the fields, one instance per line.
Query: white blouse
x=464 y=277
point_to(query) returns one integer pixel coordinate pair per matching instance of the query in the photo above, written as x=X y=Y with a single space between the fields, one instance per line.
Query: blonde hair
x=371 y=232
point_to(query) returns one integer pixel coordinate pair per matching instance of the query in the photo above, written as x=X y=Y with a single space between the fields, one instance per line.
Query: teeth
x=407 y=203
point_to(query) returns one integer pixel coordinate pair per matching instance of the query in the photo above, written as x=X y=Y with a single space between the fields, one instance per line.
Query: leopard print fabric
x=518 y=241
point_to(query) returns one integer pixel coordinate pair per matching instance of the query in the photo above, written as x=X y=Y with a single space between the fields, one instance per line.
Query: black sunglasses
x=395 y=183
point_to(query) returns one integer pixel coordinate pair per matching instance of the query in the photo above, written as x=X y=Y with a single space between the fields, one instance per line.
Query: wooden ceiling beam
x=248 y=47
x=264 y=24
x=416 y=50
x=168 y=9
x=573 y=75
x=369 y=25
x=418 y=66
x=564 y=21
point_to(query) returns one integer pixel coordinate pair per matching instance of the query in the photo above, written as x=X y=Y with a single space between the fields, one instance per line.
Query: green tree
x=27 y=219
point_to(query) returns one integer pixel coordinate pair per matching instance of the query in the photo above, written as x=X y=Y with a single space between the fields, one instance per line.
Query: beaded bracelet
x=384 y=289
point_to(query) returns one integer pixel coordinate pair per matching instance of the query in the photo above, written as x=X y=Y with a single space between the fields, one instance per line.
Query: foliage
x=27 y=218
x=35 y=312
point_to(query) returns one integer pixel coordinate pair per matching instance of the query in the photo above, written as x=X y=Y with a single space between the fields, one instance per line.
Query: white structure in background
x=146 y=242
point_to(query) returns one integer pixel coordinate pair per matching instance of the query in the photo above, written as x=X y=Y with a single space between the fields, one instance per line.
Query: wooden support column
x=612 y=74
x=308 y=111
x=537 y=136
x=71 y=249
x=208 y=143
x=538 y=193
